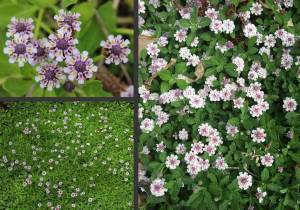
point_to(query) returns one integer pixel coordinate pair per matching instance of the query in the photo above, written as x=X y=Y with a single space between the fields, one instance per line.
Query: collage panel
x=66 y=155
x=66 y=48
x=219 y=88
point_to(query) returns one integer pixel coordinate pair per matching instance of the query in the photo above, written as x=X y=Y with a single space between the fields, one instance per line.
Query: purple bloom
x=61 y=45
x=116 y=49
x=80 y=67
x=19 y=50
x=41 y=51
x=49 y=75
x=68 y=19
x=20 y=26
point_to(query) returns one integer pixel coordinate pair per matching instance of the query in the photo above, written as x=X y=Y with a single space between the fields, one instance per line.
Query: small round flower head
x=21 y=27
x=19 y=50
x=147 y=125
x=61 y=45
x=267 y=160
x=244 y=180
x=172 y=162
x=258 y=135
x=250 y=30
x=80 y=67
x=68 y=19
x=41 y=51
x=116 y=49
x=49 y=75
x=289 y=104
x=157 y=187
x=260 y=195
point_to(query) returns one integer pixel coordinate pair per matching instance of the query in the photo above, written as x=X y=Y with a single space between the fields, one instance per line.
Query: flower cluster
x=219 y=94
x=57 y=57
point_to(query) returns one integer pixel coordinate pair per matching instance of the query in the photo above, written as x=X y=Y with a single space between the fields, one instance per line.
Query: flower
x=193 y=60
x=152 y=50
x=116 y=49
x=129 y=92
x=41 y=53
x=256 y=8
x=228 y=26
x=267 y=160
x=220 y=163
x=260 y=195
x=157 y=187
x=147 y=125
x=196 y=101
x=250 y=30
x=289 y=104
x=22 y=27
x=49 y=75
x=183 y=135
x=68 y=19
x=244 y=180
x=258 y=135
x=80 y=67
x=172 y=162
x=142 y=7
x=239 y=62
x=61 y=45
x=180 y=35
x=19 y=50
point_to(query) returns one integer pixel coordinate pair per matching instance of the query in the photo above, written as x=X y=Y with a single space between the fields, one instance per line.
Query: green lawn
x=80 y=148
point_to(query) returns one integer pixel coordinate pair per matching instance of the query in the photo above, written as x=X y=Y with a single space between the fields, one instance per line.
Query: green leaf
x=265 y=175
x=42 y=3
x=165 y=75
x=17 y=87
x=164 y=87
x=210 y=71
x=86 y=11
x=180 y=68
x=109 y=16
x=8 y=10
x=67 y=3
x=93 y=88
x=185 y=23
x=205 y=36
x=230 y=70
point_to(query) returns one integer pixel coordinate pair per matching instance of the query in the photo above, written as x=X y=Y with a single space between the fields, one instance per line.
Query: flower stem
x=98 y=58
x=38 y=23
x=124 y=31
x=101 y=22
x=46 y=28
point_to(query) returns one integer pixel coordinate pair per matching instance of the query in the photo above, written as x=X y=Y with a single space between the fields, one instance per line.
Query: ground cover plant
x=66 y=48
x=66 y=155
x=219 y=104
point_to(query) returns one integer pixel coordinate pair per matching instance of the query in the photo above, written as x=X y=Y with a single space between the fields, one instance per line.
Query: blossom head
x=61 y=45
x=41 y=53
x=20 y=27
x=68 y=20
x=20 y=50
x=80 y=67
x=116 y=49
x=49 y=76
x=157 y=187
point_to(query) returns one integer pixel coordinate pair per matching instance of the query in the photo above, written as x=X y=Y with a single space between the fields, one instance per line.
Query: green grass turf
x=105 y=136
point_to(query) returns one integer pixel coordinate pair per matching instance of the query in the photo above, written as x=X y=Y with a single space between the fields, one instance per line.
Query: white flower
x=184 y=53
x=152 y=50
x=147 y=125
x=216 y=26
x=193 y=60
x=172 y=162
x=289 y=104
x=260 y=195
x=183 y=135
x=267 y=160
x=256 y=9
x=244 y=180
x=228 y=26
x=157 y=187
x=239 y=62
x=220 y=163
x=197 y=102
x=180 y=35
x=142 y=7
x=250 y=30
x=270 y=41
x=258 y=135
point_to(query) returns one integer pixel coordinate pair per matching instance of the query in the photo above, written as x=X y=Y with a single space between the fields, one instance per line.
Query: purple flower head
x=80 y=67
x=19 y=50
x=116 y=49
x=61 y=45
x=21 y=27
x=229 y=45
x=68 y=19
x=49 y=75
x=41 y=53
